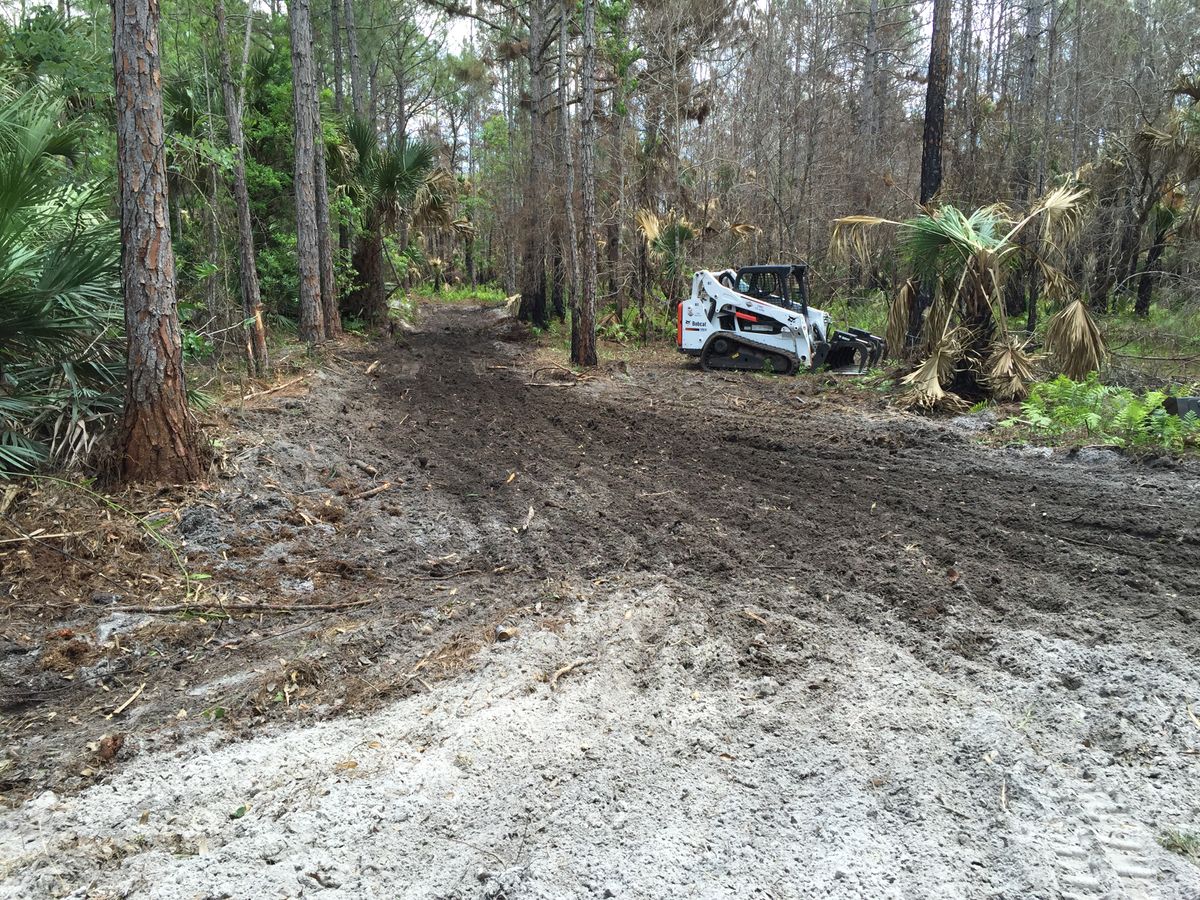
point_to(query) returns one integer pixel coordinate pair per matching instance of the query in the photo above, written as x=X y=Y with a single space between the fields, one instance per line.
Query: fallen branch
x=278 y=387
x=378 y=489
x=36 y=536
x=124 y=706
x=243 y=607
x=567 y=669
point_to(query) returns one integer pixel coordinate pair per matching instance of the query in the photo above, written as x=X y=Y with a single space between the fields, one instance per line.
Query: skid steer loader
x=757 y=318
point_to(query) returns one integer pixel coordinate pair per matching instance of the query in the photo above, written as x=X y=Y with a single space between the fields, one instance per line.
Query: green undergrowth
x=460 y=293
x=868 y=312
x=1186 y=844
x=1090 y=412
x=631 y=325
x=1166 y=342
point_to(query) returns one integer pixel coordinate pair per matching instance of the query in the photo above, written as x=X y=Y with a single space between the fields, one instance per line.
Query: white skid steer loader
x=757 y=318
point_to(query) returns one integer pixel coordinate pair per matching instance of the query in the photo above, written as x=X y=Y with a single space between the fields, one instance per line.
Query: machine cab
x=779 y=285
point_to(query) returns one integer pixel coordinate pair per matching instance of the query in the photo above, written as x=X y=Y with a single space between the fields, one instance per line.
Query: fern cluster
x=1109 y=415
x=631 y=325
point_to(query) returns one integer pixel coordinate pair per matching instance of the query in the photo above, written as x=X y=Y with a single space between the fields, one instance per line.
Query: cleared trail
x=759 y=645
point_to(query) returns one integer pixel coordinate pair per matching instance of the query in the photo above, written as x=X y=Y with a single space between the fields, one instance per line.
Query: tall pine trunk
x=931 y=145
x=358 y=89
x=257 y=356
x=571 y=237
x=304 y=86
x=533 y=251
x=158 y=442
x=584 y=349
x=329 y=293
x=1017 y=290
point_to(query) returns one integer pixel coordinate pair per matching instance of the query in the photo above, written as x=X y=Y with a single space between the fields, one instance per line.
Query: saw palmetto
x=965 y=260
x=1075 y=342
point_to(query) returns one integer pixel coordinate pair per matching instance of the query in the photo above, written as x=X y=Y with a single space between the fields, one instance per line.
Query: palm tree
x=967 y=258
x=386 y=182
x=60 y=306
x=667 y=241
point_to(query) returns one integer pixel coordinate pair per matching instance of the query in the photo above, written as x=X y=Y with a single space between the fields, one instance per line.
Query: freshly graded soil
x=646 y=633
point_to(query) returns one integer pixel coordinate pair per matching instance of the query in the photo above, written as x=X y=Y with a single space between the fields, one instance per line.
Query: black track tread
x=706 y=355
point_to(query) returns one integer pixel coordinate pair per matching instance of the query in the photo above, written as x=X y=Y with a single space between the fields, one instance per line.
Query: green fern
x=1113 y=416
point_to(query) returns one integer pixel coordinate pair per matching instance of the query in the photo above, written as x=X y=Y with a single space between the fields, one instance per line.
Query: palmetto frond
x=60 y=310
x=1009 y=369
x=402 y=172
x=1075 y=341
x=648 y=224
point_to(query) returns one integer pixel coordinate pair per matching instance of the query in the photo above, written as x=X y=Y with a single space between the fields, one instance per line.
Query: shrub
x=1114 y=416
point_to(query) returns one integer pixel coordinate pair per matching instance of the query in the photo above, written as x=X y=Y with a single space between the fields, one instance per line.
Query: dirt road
x=651 y=634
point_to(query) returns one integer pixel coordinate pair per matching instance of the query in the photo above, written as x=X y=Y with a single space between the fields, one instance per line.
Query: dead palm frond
x=741 y=229
x=1187 y=86
x=464 y=227
x=849 y=238
x=648 y=224
x=1009 y=369
x=1056 y=285
x=899 y=315
x=926 y=384
x=1061 y=211
x=1075 y=342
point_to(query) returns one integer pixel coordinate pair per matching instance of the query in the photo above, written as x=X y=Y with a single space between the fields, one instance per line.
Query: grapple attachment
x=853 y=352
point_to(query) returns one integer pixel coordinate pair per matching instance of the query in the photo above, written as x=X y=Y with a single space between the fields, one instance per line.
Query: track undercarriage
x=728 y=351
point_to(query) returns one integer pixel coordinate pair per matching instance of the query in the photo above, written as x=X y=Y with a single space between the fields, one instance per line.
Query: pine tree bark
x=158 y=442
x=931 y=145
x=358 y=88
x=571 y=238
x=257 y=355
x=533 y=251
x=1017 y=294
x=935 y=101
x=335 y=34
x=304 y=86
x=329 y=292
x=585 y=350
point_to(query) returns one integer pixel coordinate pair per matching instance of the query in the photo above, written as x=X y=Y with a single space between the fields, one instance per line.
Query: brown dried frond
x=926 y=384
x=849 y=236
x=1009 y=369
x=1056 y=284
x=648 y=224
x=1187 y=86
x=742 y=229
x=1062 y=210
x=899 y=315
x=1075 y=342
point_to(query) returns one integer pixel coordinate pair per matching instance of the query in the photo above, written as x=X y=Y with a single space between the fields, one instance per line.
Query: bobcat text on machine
x=758 y=318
